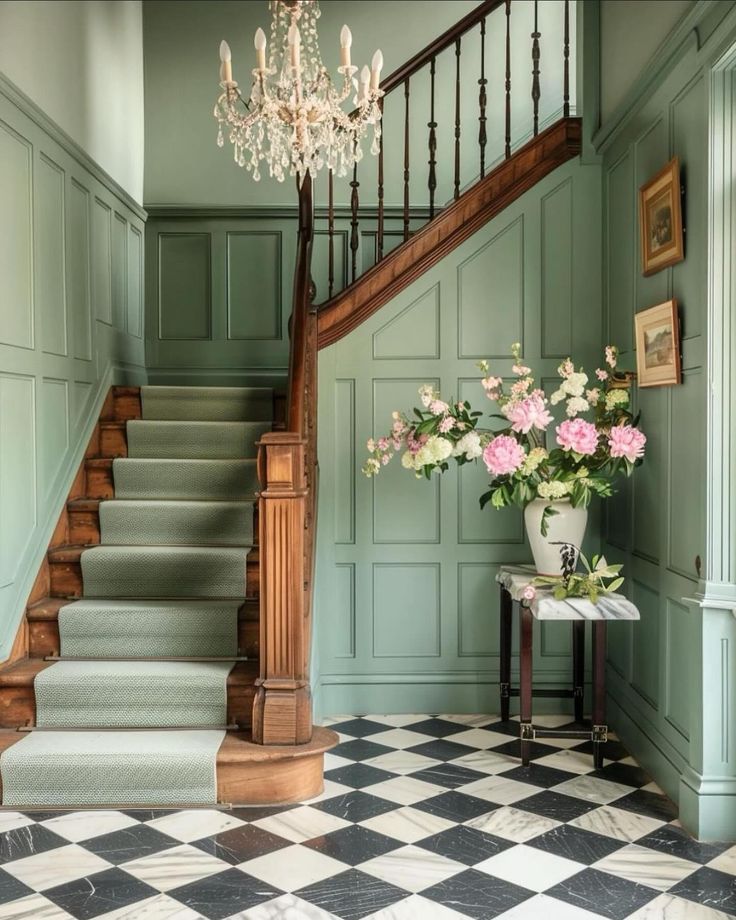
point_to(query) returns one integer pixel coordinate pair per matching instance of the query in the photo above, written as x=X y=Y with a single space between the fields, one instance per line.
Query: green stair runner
x=167 y=581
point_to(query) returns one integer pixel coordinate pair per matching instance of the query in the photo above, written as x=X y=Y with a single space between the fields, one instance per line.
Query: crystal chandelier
x=294 y=120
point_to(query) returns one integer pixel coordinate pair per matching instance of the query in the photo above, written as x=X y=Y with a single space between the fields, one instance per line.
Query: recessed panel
x=405 y=509
x=119 y=271
x=406 y=610
x=16 y=258
x=648 y=484
x=343 y=632
x=491 y=296
x=17 y=470
x=49 y=275
x=254 y=285
x=184 y=295
x=344 y=461
x=78 y=271
x=679 y=692
x=54 y=435
x=134 y=285
x=414 y=332
x=102 y=260
x=555 y=639
x=622 y=256
x=82 y=392
x=645 y=665
x=686 y=481
x=556 y=279
x=478 y=609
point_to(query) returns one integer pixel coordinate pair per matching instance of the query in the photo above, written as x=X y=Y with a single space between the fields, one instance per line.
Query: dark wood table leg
x=600 y=729
x=507 y=606
x=578 y=667
x=525 y=682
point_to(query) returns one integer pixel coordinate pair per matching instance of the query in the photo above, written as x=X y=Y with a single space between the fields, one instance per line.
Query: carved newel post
x=282 y=710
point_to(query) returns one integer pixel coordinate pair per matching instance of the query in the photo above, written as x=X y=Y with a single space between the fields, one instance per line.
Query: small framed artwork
x=660 y=220
x=658 y=345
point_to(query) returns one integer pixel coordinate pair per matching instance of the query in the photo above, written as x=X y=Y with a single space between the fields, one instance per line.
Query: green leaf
x=498 y=500
x=548 y=512
x=559 y=593
x=615 y=584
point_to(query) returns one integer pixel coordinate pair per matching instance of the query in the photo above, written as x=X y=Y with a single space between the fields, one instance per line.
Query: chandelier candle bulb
x=295 y=41
x=346 y=40
x=226 y=67
x=376 y=65
x=365 y=79
x=259 y=43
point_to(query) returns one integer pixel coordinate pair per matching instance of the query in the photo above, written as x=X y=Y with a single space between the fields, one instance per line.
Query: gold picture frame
x=658 y=345
x=660 y=220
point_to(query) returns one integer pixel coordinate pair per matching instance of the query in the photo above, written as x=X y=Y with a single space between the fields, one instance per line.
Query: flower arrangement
x=586 y=457
x=598 y=578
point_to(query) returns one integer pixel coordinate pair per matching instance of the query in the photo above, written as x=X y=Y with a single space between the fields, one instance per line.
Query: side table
x=513 y=579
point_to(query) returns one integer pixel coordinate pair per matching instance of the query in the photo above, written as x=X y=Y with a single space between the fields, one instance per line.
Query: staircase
x=142 y=659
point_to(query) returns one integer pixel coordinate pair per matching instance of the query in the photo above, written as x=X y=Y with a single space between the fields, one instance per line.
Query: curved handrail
x=296 y=396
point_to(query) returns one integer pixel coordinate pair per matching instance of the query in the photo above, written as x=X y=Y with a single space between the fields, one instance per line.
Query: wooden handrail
x=300 y=310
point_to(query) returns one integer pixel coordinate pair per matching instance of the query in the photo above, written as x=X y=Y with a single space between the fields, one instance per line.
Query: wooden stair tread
x=99 y=463
x=239 y=746
x=48 y=608
x=120 y=390
x=23 y=672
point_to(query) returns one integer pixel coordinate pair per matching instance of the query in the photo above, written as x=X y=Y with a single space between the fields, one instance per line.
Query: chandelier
x=294 y=119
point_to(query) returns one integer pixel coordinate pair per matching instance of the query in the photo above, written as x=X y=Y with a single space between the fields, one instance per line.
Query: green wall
x=71 y=323
x=407 y=607
x=659 y=527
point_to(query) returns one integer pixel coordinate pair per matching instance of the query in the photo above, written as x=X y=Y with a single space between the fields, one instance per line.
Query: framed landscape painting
x=658 y=345
x=660 y=220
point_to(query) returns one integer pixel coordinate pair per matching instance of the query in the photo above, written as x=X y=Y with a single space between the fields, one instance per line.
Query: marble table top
x=514 y=578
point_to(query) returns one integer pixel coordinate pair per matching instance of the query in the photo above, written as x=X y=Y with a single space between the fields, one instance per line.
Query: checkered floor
x=422 y=818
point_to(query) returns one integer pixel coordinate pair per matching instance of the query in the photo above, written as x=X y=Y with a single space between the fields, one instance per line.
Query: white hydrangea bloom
x=616 y=398
x=469 y=445
x=553 y=490
x=575 y=405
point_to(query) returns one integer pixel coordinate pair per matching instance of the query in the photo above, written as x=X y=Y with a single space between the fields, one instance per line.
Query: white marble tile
x=670 y=907
x=500 y=790
x=83 y=825
x=334 y=761
x=726 y=862
x=647 y=867
x=487 y=762
x=399 y=719
x=653 y=787
x=330 y=790
x=10 y=820
x=301 y=823
x=572 y=761
x=542 y=907
x=416 y=907
x=472 y=720
x=160 y=907
x=174 y=867
x=593 y=789
x=400 y=738
x=629 y=761
x=552 y=720
x=404 y=790
x=285 y=907
x=479 y=738
x=293 y=867
x=534 y=869
x=407 y=824
x=412 y=868
x=55 y=867
x=32 y=907
x=615 y=822
x=195 y=823
x=327 y=721
x=401 y=762
x=513 y=824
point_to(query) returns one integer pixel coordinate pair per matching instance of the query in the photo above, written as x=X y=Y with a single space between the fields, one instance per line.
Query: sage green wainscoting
x=71 y=324
x=406 y=603
x=662 y=669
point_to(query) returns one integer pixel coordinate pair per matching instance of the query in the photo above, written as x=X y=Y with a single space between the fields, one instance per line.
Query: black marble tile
x=256 y=812
x=356 y=806
x=438 y=728
x=510 y=727
x=513 y=749
x=99 y=893
x=353 y=845
x=224 y=894
x=677 y=842
x=441 y=749
x=449 y=775
x=359 y=728
x=38 y=815
x=710 y=888
x=604 y=894
x=11 y=889
x=130 y=843
x=360 y=749
x=358 y=775
x=465 y=844
x=27 y=841
x=455 y=806
x=650 y=804
x=612 y=750
x=352 y=895
x=241 y=843
x=538 y=775
x=576 y=844
x=477 y=895
x=556 y=805
x=148 y=814
x=625 y=773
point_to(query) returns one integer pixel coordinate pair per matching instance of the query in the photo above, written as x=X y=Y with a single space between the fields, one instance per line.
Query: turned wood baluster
x=566 y=54
x=536 y=54
x=354 y=203
x=457 y=118
x=379 y=233
x=331 y=235
x=482 y=100
x=508 y=78
x=406 y=159
x=432 y=125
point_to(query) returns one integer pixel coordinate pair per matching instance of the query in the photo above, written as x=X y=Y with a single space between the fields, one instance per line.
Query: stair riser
x=127 y=403
x=99 y=481
x=18 y=705
x=84 y=527
x=113 y=442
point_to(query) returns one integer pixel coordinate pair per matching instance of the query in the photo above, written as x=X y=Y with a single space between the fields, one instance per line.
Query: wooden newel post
x=282 y=710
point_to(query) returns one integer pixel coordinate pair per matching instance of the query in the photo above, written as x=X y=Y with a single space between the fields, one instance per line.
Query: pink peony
x=577 y=435
x=503 y=455
x=447 y=424
x=527 y=414
x=626 y=441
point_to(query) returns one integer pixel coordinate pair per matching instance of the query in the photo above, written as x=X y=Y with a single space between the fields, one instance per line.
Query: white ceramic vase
x=567 y=526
